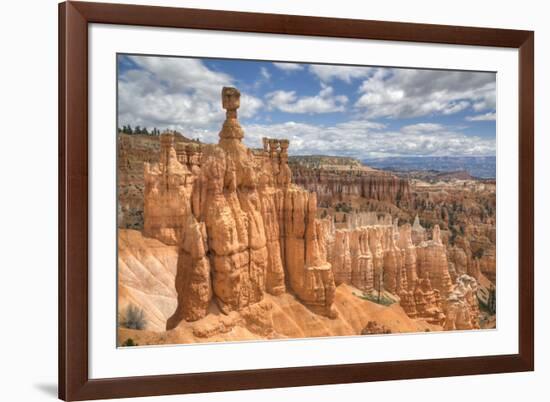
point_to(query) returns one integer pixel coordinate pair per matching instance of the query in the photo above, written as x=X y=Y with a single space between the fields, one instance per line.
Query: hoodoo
x=242 y=227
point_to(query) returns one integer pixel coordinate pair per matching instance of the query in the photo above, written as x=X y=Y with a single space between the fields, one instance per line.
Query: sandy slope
x=147 y=270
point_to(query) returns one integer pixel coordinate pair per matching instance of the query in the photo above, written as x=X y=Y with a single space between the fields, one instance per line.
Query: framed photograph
x=260 y=200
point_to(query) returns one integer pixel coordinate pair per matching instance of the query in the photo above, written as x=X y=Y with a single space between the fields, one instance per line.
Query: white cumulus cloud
x=184 y=94
x=404 y=93
x=265 y=74
x=289 y=66
x=482 y=117
x=175 y=93
x=367 y=139
x=324 y=102
x=327 y=73
x=421 y=128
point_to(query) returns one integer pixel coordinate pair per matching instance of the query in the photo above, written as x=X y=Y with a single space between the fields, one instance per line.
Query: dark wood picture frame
x=74 y=382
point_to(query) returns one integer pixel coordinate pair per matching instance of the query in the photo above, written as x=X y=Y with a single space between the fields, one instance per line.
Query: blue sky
x=364 y=112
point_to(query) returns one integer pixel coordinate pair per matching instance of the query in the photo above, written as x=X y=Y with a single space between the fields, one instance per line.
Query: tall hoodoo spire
x=231 y=101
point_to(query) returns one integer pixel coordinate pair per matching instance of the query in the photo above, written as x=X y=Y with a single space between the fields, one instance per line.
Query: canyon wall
x=335 y=182
x=357 y=254
x=132 y=152
x=466 y=213
x=379 y=258
x=463 y=209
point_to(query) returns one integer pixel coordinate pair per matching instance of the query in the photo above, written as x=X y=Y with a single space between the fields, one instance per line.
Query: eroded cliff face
x=359 y=254
x=241 y=226
x=168 y=187
x=466 y=214
x=336 y=182
x=462 y=306
x=463 y=209
x=133 y=151
x=380 y=257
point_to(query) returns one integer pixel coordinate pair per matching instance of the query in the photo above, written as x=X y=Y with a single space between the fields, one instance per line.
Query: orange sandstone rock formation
x=428 y=302
x=377 y=257
x=409 y=253
x=432 y=262
x=365 y=254
x=242 y=228
x=418 y=233
x=146 y=272
x=394 y=275
x=351 y=258
x=168 y=186
x=336 y=181
x=461 y=306
x=133 y=151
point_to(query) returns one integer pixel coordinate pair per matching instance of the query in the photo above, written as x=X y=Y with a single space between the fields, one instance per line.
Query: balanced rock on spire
x=239 y=235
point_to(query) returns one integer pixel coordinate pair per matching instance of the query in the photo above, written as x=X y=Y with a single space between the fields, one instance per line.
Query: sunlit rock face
x=427 y=301
x=432 y=262
x=352 y=259
x=193 y=277
x=418 y=233
x=333 y=181
x=168 y=187
x=462 y=306
x=380 y=258
x=409 y=254
x=365 y=253
x=133 y=151
x=242 y=227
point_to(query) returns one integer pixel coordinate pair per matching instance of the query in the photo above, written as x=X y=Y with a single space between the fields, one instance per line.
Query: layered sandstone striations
x=168 y=187
x=351 y=258
x=361 y=254
x=242 y=228
x=432 y=262
x=462 y=306
x=380 y=258
x=133 y=151
x=146 y=274
x=464 y=208
x=345 y=178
